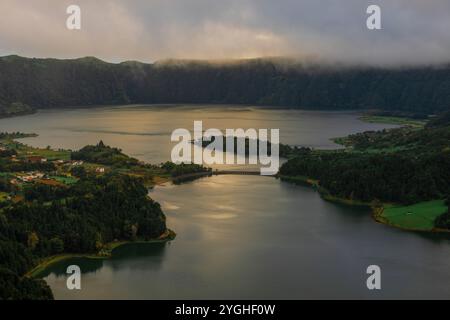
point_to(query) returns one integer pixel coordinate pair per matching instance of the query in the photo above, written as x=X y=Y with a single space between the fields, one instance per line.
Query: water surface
x=144 y=131
x=250 y=237
x=241 y=236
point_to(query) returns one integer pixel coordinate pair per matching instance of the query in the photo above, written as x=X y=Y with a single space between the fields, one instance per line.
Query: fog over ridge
x=414 y=32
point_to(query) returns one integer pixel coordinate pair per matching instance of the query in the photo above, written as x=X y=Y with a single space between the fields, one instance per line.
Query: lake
x=144 y=131
x=241 y=237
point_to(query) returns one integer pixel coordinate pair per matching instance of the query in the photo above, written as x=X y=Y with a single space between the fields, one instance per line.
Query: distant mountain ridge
x=48 y=83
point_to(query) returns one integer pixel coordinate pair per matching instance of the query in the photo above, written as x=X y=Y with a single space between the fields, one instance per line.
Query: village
x=27 y=165
x=22 y=167
x=62 y=175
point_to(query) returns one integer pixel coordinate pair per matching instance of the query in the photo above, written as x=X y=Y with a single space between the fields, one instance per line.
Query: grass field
x=46 y=153
x=394 y=120
x=419 y=216
x=65 y=180
x=25 y=150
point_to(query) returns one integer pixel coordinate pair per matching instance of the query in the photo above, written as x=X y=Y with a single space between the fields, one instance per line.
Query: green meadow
x=419 y=216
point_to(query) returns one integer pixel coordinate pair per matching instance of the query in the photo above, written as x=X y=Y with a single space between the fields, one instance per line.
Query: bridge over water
x=196 y=175
x=237 y=172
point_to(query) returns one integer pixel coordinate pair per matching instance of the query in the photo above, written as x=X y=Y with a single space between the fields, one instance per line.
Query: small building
x=100 y=170
x=36 y=159
x=31 y=176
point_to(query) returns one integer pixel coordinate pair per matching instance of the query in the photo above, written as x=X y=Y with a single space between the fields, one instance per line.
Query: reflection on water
x=241 y=237
x=121 y=255
x=60 y=268
x=251 y=237
x=139 y=257
x=144 y=131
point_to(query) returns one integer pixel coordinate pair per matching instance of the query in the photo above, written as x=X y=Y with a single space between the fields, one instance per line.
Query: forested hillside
x=77 y=219
x=404 y=165
x=42 y=83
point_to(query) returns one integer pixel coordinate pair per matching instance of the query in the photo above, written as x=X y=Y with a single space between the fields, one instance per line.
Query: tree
x=56 y=245
x=78 y=171
x=33 y=240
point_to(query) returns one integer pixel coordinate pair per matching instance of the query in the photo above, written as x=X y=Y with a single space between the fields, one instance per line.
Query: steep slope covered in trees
x=43 y=83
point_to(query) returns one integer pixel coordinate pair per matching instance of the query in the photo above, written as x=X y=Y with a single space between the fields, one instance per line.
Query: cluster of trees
x=419 y=172
x=6 y=165
x=43 y=193
x=15 y=135
x=7 y=153
x=5 y=185
x=285 y=151
x=13 y=287
x=103 y=154
x=390 y=177
x=11 y=135
x=443 y=221
x=43 y=83
x=14 y=109
x=78 y=219
x=177 y=170
x=433 y=136
x=440 y=121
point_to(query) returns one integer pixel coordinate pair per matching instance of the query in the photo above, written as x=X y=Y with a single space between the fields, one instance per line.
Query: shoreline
x=324 y=193
x=45 y=263
x=393 y=120
x=377 y=215
x=17 y=114
x=190 y=177
x=361 y=113
x=376 y=212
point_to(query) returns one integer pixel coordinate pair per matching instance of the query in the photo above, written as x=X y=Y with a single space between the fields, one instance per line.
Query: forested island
x=85 y=202
x=27 y=84
x=403 y=173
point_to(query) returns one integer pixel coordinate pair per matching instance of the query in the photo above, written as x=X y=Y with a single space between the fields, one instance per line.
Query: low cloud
x=414 y=31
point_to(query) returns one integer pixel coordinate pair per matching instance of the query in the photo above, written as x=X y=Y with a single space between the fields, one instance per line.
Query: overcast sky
x=414 y=31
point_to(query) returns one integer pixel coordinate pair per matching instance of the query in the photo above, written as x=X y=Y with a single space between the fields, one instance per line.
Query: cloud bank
x=414 y=31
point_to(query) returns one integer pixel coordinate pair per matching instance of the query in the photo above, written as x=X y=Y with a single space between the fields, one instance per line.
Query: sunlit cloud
x=331 y=30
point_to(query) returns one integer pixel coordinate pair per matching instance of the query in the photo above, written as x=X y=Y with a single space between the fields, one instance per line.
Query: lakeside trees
x=89 y=214
x=45 y=217
x=177 y=170
x=443 y=221
x=103 y=154
x=400 y=178
x=401 y=165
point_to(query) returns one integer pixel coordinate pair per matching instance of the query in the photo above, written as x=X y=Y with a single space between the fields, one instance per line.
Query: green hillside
x=44 y=83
